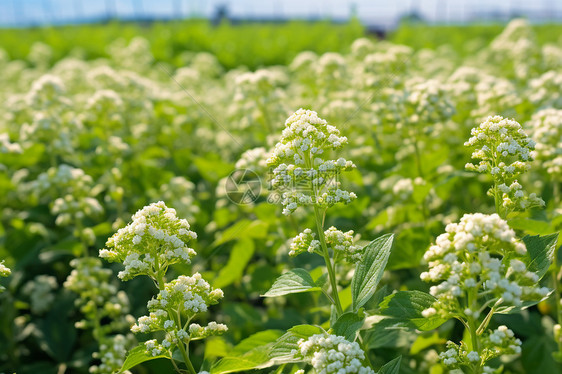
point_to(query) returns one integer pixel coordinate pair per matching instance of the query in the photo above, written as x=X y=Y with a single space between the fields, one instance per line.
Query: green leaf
x=391 y=367
x=257 y=358
x=348 y=324
x=137 y=356
x=242 y=229
x=294 y=281
x=256 y=340
x=389 y=333
x=408 y=306
x=540 y=250
x=424 y=341
x=524 y=305
x=212 y=168
x=250 y=353
x=536 y=355
x=369 y=271
x=531 y=225
x=240 y=255
x=282 y=350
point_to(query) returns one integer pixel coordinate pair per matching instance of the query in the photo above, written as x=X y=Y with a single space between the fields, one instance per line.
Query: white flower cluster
x=107 y=106
x=186 y=296
x=427 y=102
x=495 y=343
x=254 y=159
x=98 y=298
x=305 y=242
x=404 y=188
x=70 y=191
x=180 y=192
x=546 y=129
x=112 y=354
x=300 y=169
x=332 y=354
x=262 y=82
x=4 y=272
x=197 y=331
x=40 y=292
x=330 y=69
x=6 y=146
x=154 y=240
x=505 y=152
x=46 y=91
x=545 y=90
x=340 y=242
x=479 y=253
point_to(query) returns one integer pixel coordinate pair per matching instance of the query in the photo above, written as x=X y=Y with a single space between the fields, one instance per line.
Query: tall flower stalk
x=305 y=176
x=154 y=240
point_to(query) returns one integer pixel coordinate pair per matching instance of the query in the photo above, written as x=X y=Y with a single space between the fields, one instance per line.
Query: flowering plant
x=155 y=239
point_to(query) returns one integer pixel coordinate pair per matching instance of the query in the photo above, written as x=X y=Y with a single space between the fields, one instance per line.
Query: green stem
x=329 y=265
x=556 y=271
x=473 y=328
x=185 y=356
x=418 y=158
x=497 y=200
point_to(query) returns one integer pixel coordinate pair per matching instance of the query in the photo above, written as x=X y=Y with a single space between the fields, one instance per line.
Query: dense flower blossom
x=154 y=240
x=4 y=272
x=182 y=297
x=98 y=297
x=340 y=242
x=546 y=129
x=299 y=166
x=505 y=152
x=479 y=254
x=69 y=190
x=112 y=354
x=495 y=343
x=332 y=354
x=40 y=292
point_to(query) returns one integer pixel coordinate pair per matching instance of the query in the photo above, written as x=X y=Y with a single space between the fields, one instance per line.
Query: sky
x=371 y=12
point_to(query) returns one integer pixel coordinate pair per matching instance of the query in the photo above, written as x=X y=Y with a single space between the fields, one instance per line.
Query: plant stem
x=185 y=356
x=327 y=259
x=556 y=271
x=418 y=158
x=473 y=328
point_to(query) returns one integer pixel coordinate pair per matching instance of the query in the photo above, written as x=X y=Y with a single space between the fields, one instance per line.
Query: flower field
x=177 y=202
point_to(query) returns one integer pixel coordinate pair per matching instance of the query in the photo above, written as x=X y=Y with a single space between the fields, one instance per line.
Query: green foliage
x=293 y=281
x=541 y=252
x=407 y=307
x=348 y=324
x=369 y=270
x=252 y=45
x=137 y=356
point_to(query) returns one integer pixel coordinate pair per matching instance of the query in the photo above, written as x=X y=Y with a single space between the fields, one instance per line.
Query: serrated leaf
x=369 y=271
x=347 y=325
x=389 y=333
x=293 y=281
x=540 y=250
x=391 y=367
x=137 y=356
x=282 y=350
x=408 y=306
